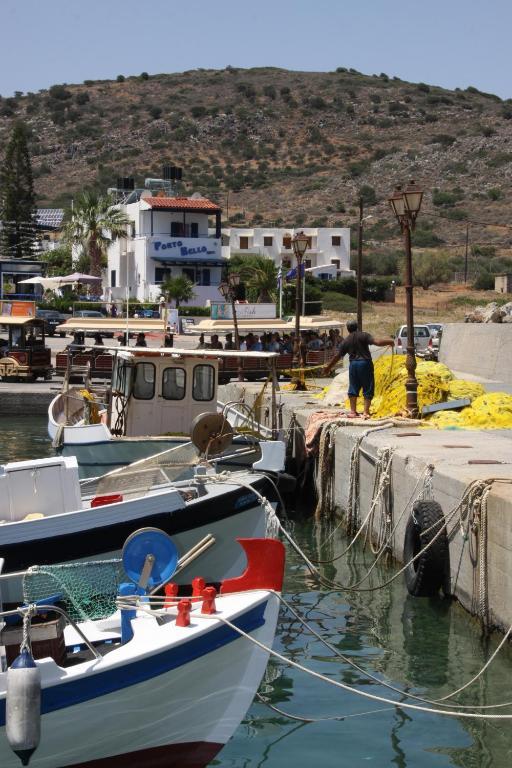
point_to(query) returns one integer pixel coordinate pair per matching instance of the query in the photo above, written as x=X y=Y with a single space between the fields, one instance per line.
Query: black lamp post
x=228 y=291
x=406 y=204
x=300 y=244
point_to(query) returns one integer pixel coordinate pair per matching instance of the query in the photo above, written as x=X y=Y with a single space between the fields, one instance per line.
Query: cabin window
x=268 y=240
x=112 y=278
x=173 y=383
x=287 y=242
x=144 y=384
x=203 y=385
x=244 y=243
x=122 y=378
x=194 y=229
x=336 y=240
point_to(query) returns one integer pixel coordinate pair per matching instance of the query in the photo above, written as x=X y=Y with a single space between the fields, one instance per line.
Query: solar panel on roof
x=49 y=217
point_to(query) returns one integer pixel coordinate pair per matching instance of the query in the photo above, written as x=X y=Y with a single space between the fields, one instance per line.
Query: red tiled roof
x=182 y=203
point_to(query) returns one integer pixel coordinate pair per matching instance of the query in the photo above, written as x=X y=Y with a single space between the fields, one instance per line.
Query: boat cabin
x=23 y=351
x=155 y=393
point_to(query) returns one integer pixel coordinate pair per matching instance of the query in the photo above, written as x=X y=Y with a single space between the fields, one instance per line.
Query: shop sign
x=17 y=308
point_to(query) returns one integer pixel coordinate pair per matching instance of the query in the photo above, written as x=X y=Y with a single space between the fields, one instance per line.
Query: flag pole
x=280 y=274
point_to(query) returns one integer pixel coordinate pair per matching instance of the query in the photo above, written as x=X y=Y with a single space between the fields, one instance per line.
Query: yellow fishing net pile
x=437 y=384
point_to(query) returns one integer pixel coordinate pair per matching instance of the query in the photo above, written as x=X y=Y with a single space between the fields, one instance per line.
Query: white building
x=327 y=256
x=170 y=236
x=167 y=237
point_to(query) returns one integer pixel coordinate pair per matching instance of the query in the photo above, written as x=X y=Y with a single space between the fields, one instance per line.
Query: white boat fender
x=23 y=706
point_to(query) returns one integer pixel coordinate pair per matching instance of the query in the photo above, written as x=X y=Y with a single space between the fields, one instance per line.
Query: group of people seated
x=274 y=342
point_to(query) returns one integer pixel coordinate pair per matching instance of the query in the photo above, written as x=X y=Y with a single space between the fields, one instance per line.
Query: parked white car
x=422 y=339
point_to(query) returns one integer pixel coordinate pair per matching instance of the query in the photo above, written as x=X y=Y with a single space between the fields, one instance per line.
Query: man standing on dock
x=360 y=372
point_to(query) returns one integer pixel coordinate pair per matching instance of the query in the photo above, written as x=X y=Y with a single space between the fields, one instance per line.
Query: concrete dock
x=457 y=457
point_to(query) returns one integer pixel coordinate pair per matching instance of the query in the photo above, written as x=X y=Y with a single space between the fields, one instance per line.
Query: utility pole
x=466 y=255
x=360 y=268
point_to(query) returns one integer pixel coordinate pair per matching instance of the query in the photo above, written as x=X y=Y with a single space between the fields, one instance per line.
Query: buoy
x=23 y=706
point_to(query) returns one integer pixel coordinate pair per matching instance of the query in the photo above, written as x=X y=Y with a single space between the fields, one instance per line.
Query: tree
x=259 y=274
x=94 y=224
x=179 y=288
x=17 y=199
x=430 y=268
x=58 y=261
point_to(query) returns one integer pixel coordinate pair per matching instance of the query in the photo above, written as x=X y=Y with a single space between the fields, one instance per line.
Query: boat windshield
x=122 y=377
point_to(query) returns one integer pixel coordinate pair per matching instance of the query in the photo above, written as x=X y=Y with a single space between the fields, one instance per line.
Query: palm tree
x=94 y=224
x=259 y=274
x=179 y=288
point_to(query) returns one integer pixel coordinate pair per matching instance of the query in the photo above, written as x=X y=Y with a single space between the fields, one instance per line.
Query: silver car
x=422 y=339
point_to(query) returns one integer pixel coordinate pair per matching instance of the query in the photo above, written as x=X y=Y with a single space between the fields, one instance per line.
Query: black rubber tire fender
x=427 y=575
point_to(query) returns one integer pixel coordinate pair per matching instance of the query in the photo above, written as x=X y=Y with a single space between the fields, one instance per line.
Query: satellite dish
x=149 y=557
x=211 y=433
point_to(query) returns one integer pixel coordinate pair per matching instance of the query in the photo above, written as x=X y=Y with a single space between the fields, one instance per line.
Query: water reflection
x=24 y=437
x=427 y=647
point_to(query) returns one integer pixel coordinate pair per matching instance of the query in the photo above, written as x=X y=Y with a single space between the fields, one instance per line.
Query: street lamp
x=229 y=291
x=406 y=204
x=300 y=244
x=359 y=293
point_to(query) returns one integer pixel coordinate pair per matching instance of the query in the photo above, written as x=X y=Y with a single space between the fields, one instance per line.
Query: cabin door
x=173 y=402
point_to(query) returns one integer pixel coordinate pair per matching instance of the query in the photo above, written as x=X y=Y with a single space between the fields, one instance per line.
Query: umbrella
x=77 y=277
x=48 y=283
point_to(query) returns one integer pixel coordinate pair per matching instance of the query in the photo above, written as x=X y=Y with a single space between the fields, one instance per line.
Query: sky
x=452 y=43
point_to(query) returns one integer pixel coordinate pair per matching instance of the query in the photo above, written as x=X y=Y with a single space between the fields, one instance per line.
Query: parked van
x=422 y=339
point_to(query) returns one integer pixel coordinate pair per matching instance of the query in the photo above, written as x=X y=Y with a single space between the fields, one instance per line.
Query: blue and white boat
x=166 y=686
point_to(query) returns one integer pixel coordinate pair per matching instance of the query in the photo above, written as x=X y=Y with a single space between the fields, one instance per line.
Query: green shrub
x=155 y=111
x=446 y=199
x=82 y=98
x=368 y=194
x=338 y=302
x=144 y=76
x=456 y=214
x=120 y=78
x=59 y=92
x=316 y=102
x=198 y=111
x=484 y=282
x=374 y=288
x=443 y=138
x=500 y=159
x=423 y=87
x=358 y=168
x=494 y=193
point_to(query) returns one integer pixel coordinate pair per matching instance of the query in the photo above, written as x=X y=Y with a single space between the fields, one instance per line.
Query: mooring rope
x=459 y=712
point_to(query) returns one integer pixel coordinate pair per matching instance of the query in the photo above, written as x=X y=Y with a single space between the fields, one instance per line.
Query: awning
x=308 y=323
x=109 y=324
x=20 y=320
x=204 y=261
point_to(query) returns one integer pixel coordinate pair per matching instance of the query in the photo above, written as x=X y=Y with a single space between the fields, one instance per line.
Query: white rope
x=317 y=675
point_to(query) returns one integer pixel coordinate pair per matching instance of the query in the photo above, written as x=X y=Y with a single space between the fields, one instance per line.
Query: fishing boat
x=49 y=516
x=160 y=682
x=151 y=404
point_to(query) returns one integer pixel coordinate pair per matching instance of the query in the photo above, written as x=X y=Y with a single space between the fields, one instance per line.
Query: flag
x=292 y=273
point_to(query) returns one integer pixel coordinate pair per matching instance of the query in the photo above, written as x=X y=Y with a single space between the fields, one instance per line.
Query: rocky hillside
x=283 y=147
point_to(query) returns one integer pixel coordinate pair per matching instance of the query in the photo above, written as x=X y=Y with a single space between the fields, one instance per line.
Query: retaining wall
x=481 y=349
x=449 y=452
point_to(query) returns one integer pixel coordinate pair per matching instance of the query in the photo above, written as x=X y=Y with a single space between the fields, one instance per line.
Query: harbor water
x=428 y=647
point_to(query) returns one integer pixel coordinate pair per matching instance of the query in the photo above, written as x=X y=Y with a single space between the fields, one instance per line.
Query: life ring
x=428 y=573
